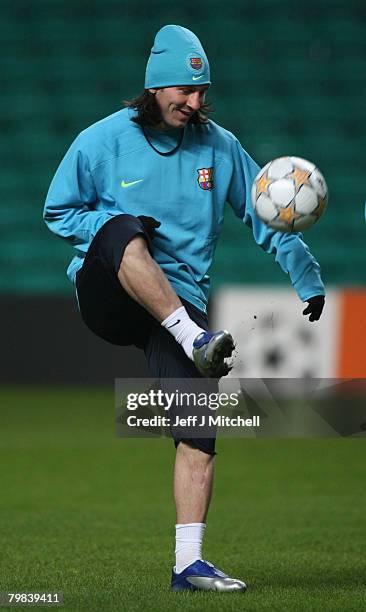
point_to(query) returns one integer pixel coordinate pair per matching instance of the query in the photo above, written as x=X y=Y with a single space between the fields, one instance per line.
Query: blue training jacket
x=111 y=169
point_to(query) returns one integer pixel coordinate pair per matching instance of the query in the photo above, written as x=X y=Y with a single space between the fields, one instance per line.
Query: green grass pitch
x=91 y=515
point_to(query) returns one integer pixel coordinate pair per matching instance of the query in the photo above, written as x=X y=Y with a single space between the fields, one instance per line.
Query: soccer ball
x=289 y=194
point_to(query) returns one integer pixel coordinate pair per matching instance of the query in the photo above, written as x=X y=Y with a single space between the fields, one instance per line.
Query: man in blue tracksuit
x=140 y=195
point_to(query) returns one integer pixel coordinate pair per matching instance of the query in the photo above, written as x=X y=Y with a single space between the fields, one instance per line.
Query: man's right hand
x=150 y=224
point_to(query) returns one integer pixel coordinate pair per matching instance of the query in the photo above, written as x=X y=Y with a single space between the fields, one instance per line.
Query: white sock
x=188 y=544
x=184 y=330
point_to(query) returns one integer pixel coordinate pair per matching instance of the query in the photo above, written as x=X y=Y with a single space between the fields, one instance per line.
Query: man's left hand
x=315 y=307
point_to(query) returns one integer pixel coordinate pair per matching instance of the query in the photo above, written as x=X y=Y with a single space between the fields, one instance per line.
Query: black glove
x=150 y=224
x=315 y=307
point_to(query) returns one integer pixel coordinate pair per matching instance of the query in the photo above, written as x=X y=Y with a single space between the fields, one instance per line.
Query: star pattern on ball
x=263 y=183
x=320 y=208
x=300 y=177
x=288 y=214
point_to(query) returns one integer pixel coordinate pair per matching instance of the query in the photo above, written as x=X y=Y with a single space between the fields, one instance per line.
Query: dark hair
x=148 y=111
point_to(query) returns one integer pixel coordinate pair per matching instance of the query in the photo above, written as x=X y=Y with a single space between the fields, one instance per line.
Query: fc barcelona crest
x=205 y=178
x=196 y=63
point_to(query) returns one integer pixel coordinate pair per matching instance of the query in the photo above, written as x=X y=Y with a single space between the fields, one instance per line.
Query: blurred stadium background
x=286 y=79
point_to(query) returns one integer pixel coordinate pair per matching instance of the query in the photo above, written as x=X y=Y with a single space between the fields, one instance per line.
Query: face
x=177 y=104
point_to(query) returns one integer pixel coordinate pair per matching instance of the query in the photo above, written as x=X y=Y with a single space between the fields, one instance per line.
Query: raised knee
x=136 y=249
x=136 y=246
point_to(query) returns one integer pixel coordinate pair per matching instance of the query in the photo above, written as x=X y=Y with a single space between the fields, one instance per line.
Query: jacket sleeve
x=290 y=250
x=70 y=205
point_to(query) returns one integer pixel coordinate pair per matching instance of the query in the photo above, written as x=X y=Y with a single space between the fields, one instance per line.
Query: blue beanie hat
x=177 y=58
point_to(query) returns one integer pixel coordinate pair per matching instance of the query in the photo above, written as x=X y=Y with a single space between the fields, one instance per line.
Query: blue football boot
x=210 y=351
x=203 y=576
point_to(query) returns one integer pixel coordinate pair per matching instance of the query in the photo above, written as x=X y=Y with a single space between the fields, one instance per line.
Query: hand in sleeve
x=150 y=224
x=315 y=307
